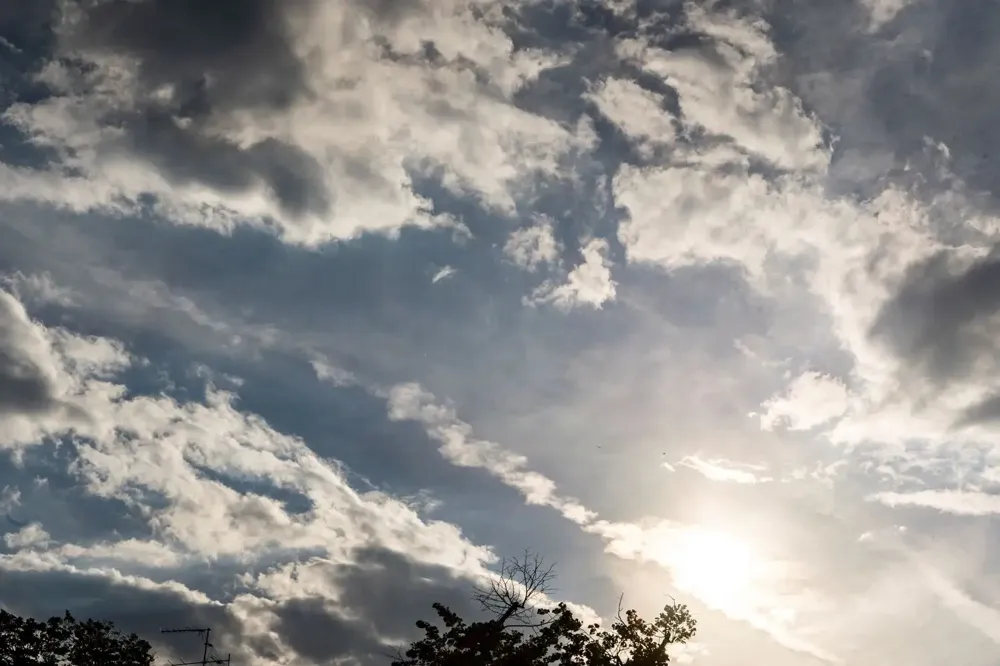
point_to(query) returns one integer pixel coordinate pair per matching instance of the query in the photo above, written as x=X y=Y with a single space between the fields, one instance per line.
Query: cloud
x=811 y=400
x=443 y=274
x=209 y=485
x=46 y=374
x=190 y=135
x=883 y=11
x=588 y=284
x=651 y=540
x=715 y=88
x=26 y=385
x=780 y=208
x=958 y=502
x=533 y=246
x=38 y=288
x=639 y=113
x=940 y=317
x=27 y=536
x=410 y=401
x=725 y=471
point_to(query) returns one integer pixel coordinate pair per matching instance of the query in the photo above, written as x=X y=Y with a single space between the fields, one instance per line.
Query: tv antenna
x=206 y=658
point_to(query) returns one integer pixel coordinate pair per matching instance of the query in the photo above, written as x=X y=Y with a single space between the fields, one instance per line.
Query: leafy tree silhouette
x=66 y=641
x=524 y=632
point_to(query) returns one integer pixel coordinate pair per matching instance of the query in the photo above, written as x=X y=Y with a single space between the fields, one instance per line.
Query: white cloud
x=443 y=274
x=26 y=537
x=725 y=471
x=589 y=283
x=369 y=132
x=129 y=448
x=533 y=246
x=49 y=376
x=684 y=215
x=409 y=401
x=717 y=92
x=832 y=260
x=810 y=400
x=639 y=113
x=959 y=502
x=883 y=11
x=38 y=288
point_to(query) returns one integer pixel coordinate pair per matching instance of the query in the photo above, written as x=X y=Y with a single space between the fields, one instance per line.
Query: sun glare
x=715 y=567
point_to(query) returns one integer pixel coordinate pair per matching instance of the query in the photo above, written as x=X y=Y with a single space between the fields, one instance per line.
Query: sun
x=718 y=569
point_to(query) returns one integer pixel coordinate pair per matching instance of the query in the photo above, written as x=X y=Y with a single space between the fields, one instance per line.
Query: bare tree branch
x=510 y=595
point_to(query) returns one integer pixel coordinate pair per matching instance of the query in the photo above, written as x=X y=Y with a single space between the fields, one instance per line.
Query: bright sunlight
x=718 y=569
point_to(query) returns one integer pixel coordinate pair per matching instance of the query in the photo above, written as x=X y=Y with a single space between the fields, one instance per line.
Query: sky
x=312 y=311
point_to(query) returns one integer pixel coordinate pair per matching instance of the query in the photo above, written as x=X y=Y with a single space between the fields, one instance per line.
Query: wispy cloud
x=725 y=471
x=965 y=503
x=655 y=541
x=443 y=274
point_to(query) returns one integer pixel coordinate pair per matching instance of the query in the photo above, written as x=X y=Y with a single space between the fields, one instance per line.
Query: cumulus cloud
x=30 y=535
x=805 y=247
x=637 y=112
x=320 y=153
x=210 y=485
x=812 y=399
x=26 y=385
x=533 y=246
x=588 y=284
x=715 y=88
x=48 y=376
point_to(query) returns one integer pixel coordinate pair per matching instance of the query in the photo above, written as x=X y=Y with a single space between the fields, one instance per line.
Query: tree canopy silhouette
x=66 y=641
x=525 y=632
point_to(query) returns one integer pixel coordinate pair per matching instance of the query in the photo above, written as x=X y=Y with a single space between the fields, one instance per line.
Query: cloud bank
x=311 y=310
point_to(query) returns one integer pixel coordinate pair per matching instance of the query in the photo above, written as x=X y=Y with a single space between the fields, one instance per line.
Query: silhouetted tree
x=66 y=641
x=525 y=633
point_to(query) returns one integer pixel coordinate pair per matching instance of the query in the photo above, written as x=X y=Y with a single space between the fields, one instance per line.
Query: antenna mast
x=205 y=658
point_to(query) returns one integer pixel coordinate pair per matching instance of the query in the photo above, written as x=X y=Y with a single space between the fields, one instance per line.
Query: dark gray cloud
x=26 y=40
x=882 y=92
x=382 y=596
x=25 y=387
x=293 y=177
x=220 y=55
x=314 y=629
x=936 y=319
x=942 y=91
x=143 y=610
x=212 y=59
x=985 y=411
x=941 y=323
x=385 y=592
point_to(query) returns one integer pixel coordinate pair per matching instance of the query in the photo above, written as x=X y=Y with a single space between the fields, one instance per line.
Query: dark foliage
x=524 y=634
x=66 y=641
